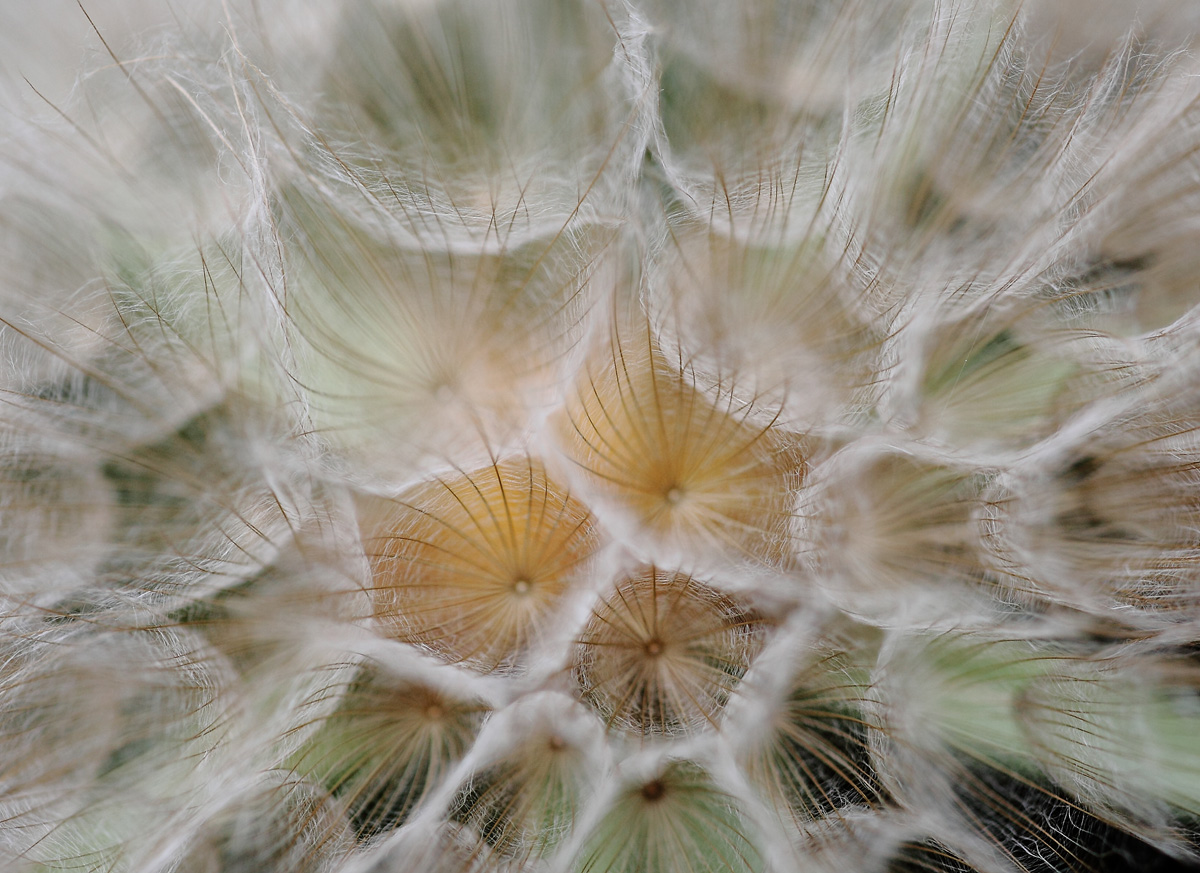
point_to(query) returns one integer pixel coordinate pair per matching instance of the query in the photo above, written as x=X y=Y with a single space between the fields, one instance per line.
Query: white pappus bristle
x=600 y=436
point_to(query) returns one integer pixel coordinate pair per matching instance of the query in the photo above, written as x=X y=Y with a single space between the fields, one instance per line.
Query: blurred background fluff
x=599 y=436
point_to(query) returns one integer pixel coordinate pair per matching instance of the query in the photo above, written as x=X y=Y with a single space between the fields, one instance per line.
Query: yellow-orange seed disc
x=691 y=470
x=663 y=652
x=470 y=565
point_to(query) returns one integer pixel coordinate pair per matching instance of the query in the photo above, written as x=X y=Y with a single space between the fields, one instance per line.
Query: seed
x=695 y=471
x=663 y=652
x=470 y=565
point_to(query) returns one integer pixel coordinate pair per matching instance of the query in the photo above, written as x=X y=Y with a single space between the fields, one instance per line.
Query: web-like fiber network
x=600 y=436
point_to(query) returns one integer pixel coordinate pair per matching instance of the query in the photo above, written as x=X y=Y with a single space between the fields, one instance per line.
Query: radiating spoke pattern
x=663 y=652
x=469 y=565
x=691 y=469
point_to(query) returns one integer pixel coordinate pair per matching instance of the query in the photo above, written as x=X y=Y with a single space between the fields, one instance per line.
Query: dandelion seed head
x=602 y=436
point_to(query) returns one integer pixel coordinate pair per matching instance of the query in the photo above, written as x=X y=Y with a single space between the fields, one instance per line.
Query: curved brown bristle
x=688 y=469
x=663 y=652
x=469 y=565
